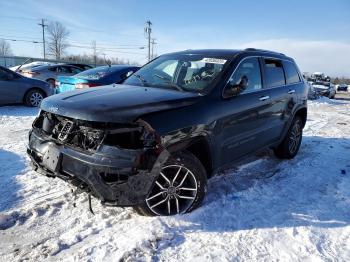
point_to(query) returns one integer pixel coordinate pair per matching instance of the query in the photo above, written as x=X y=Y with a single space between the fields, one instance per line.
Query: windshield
x=183 y=72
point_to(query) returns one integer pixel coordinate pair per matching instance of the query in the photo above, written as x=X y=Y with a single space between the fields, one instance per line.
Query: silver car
x=49 y=73
x=15 y=89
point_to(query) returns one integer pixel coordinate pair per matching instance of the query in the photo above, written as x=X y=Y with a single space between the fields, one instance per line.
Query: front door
x=245 y=127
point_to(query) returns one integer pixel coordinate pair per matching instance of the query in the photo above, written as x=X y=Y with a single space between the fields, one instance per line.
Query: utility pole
x=153 y=43
x=43 y=27
x=148 y=31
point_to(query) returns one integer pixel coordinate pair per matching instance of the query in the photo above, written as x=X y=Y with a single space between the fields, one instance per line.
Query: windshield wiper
x=169 y=83
x=142 y=80
x=172 y=84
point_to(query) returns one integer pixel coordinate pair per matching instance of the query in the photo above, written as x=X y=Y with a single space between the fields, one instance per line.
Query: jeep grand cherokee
x=153 y=141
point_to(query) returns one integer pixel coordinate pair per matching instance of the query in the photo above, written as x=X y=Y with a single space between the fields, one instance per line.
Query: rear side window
x=75 y=70
x=274 y=73
x=64 y=69
x=291 y=71
x=53 y=69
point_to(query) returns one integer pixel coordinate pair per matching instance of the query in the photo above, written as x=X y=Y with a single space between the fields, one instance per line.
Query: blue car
x=99 y=76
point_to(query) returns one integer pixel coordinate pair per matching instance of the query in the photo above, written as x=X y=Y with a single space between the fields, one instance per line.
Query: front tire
x=291 y=143
x=34 y=97
x=179 y=188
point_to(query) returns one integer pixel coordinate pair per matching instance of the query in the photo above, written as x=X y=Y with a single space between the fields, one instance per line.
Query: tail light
x=84 y=85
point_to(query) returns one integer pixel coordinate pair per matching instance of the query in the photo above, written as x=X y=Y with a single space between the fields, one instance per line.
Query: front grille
x=68 y=126
x=75 y=133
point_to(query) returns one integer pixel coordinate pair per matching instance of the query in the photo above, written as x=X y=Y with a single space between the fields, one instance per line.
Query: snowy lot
x=264 y=209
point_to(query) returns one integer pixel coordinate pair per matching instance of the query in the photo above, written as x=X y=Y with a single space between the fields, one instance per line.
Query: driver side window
x=249 y=68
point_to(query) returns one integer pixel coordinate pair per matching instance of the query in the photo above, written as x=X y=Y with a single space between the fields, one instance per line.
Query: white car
x=29 y=66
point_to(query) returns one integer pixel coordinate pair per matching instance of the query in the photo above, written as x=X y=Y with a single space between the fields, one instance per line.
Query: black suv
x=153 y=141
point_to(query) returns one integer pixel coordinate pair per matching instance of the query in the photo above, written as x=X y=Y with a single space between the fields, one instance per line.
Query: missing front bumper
x=113 y=175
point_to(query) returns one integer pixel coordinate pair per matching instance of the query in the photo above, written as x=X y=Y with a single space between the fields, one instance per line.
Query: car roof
x=116 y=67
x=53 y=65
x=232 y=52
x=109 y=69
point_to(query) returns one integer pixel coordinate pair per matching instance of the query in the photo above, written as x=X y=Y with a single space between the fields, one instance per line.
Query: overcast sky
x=315 y=33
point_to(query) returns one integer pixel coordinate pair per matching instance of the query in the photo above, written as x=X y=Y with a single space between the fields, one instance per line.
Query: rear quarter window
x=291 y=71
x=274 y=73
x=52 y=69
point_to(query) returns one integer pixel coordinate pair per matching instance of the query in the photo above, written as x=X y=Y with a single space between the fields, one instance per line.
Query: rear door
x=282 y=91
x=245 y=126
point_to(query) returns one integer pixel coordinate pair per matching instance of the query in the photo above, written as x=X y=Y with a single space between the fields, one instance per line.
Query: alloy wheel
x=36 y=98
x=174 y=191
x=294 y=138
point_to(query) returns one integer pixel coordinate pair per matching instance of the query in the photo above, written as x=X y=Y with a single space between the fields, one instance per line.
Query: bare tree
x=5 y=48
x=94 y=52
x=58 y=35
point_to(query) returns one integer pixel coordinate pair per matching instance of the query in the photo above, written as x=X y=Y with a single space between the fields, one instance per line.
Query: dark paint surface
x=232 y=127
x=116 y=103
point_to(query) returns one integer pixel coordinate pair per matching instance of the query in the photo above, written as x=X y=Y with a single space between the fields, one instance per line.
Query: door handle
x=263 y=98
x=291 y=91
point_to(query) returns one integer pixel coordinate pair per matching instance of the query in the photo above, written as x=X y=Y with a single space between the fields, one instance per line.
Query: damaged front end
x=117 y=163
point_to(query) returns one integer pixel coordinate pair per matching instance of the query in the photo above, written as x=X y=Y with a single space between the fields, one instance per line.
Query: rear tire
x=34 y=97
x=290 y=145
x=179 y=188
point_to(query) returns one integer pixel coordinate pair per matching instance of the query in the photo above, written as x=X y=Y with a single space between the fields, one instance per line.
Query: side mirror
x=235 y=88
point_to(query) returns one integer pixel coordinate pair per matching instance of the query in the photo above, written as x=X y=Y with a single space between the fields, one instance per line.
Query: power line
x=106 y=48
x=20 y=40
x=109 y=45
x=43 y=25
x=115 y=50
x=24 y=37
x=18 y=17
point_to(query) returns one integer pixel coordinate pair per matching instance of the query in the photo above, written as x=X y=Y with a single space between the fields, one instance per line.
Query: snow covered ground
x=263 y=209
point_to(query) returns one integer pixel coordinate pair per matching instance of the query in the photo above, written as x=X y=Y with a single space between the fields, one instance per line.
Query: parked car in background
x=312 y=94
x=342 y=87
x=82 y=66
x=49 y=73
x=99 y=76
x=26 y=67
x=153 y=141
x=15 y=89
x=325 y=89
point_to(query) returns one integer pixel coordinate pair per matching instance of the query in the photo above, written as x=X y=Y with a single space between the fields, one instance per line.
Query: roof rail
x=263 y=50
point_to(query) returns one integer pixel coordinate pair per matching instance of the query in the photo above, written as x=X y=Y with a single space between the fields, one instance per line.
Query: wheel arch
x=31 y=89
x=50 y=78
x=200 y=148
x=302 y=113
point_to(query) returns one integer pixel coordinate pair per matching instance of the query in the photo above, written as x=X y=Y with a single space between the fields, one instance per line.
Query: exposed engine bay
x=89 y=136
x=114 y=162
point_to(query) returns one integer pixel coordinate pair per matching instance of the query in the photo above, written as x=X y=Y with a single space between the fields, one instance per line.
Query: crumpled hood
x=116 y=103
